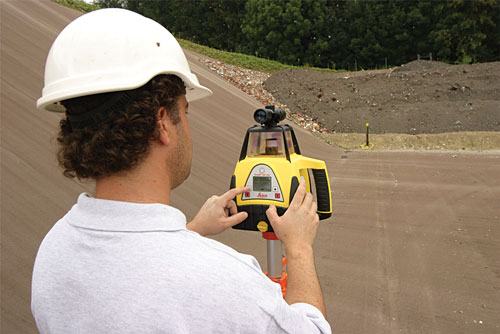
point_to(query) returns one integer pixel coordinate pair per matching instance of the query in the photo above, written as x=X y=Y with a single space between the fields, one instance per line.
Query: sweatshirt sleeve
x=314 y=315
x=264 y=299
x=298 y=318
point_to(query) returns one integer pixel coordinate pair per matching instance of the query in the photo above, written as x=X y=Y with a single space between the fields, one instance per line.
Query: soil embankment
x=421 y=97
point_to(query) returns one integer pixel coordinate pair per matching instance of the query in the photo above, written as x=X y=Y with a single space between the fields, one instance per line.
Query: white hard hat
x=112 y=50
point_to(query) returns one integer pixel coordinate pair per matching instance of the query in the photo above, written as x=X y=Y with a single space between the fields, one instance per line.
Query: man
x=123 y=260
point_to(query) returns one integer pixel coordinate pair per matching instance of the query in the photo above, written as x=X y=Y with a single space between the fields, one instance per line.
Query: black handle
x=322 y=192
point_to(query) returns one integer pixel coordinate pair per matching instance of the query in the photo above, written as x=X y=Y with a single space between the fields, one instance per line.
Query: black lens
x=262 y=116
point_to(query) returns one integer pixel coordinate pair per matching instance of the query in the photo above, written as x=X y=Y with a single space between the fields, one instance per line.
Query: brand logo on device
x=261 y=195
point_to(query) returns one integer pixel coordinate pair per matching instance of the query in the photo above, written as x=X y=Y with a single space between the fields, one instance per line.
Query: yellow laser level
x=271 y=165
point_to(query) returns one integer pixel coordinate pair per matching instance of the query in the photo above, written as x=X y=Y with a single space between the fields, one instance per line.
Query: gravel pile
x=251 y=82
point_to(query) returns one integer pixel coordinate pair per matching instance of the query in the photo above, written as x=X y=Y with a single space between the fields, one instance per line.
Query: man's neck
x=139 y=186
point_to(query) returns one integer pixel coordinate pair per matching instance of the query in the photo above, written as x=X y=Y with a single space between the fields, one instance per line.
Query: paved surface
x=414 y=245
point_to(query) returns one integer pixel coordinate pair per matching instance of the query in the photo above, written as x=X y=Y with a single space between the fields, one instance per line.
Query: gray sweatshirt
x=117 y=267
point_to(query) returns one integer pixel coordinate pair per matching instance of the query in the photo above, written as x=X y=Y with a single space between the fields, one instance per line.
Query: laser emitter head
x=269 y=116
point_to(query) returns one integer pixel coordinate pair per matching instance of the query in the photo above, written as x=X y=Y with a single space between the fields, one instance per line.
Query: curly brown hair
x=120 y=142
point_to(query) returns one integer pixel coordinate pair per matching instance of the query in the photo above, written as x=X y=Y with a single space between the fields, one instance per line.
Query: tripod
x=275 y=261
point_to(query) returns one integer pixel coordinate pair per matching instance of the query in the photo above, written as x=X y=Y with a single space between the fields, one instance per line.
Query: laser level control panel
x=263 y=185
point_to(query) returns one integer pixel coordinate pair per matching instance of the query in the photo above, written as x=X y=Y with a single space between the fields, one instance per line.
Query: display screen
x=261 y=183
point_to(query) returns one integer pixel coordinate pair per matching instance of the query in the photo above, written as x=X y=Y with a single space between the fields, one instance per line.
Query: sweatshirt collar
x=108 y=215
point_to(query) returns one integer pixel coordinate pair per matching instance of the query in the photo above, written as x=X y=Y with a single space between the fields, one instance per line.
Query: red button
x=276 y=195
x=247 y=194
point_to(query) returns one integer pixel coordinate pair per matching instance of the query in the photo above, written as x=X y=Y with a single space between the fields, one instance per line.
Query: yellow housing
x=272 y=166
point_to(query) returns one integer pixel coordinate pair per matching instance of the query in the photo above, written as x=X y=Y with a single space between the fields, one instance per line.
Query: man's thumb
x=237 y=218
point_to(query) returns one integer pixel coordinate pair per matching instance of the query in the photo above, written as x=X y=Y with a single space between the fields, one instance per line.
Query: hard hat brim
x=54 y=94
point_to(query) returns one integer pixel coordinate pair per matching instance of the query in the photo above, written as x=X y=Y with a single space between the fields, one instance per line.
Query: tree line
x=332 y=33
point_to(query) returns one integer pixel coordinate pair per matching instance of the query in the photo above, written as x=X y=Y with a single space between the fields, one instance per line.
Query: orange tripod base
x=281 y=281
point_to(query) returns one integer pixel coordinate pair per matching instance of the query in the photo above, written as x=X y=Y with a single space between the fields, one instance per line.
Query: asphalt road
x=413 y=246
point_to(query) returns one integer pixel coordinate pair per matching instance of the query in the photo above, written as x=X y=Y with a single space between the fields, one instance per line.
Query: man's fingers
x=232 y=207
x=314 y=207
x=308 y=200
x=236 y=219
x=272 y=214
x=298 y=198
x=232 y=193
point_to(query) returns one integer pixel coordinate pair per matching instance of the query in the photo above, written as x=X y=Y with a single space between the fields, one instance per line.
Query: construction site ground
x=413 y=245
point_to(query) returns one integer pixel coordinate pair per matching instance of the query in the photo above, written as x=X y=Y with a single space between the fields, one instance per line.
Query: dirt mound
x=417 y=65
x=426 y=97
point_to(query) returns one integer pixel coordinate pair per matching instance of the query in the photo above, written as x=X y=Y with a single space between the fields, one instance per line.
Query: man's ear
x=162 y=121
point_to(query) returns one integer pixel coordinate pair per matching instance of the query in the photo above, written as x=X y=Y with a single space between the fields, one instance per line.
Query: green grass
x=79 y=5
x=243 y=60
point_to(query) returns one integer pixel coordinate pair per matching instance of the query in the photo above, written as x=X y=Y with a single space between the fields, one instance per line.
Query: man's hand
x=297 y=230
x=298 y=226
x=213 y=217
